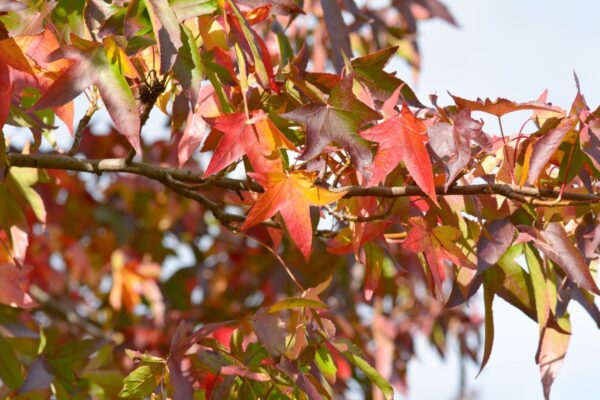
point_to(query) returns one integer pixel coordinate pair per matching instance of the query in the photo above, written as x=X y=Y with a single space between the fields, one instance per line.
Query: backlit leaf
x=402 y=138
x=291 y=194
x=296 y=302
x=544 y=148
x=500 y=106
x=552 y=351
x=142 y=381
x=166 y=32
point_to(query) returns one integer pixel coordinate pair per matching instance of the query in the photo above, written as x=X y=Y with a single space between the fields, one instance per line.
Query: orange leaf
x=292 y=195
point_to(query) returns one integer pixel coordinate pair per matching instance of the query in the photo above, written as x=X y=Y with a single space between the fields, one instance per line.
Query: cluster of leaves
x=331 y=217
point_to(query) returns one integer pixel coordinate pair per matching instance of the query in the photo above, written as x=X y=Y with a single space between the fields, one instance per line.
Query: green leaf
x=296 y=302
x=143 y=357
x=572 y=161
x=186 y=9
x=24 y=179
x=10 y=369
x=538 y=280
x=511 y=282
x=370 y=71
x=188 y=66
x=142 y=381
x=488 y=299
x=372 y=374
x=325 y=363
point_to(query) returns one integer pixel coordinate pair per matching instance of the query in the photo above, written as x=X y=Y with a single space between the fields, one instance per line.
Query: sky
x=513 y=49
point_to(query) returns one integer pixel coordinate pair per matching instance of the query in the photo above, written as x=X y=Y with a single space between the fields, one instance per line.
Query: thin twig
x=83 y=123
x=281 y=261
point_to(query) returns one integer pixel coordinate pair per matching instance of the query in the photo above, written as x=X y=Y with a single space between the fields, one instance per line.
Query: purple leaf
x=452 y=143
x=182 y=386
x=293 y=372
x=488 y=299
x=545 y=147
x=588 y=236
x=591 y=143
x=339 y=35
x=560 y=250
x=438 y=10
x=269 y=332
x=489 y=250
x=337 y=121
x=39 y=378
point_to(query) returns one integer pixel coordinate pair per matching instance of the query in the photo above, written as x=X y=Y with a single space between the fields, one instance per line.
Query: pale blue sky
x=513 y=49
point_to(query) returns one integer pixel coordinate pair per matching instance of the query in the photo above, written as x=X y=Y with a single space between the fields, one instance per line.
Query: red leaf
x=402 y=138
x=544 y=148
x=500 y=106
x=257 y=137
x=6 y=93
x=12 y=292
x=193 y=136
x=278 y=7
x=291 y=194
x=418 y=240
x=91 y=65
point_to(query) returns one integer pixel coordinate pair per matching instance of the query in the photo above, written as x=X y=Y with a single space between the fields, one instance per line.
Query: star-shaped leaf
x=256 y=137
x=370 y=71
x=92 y=65
x=402 y=138
x=337 y=121
x=290 y=194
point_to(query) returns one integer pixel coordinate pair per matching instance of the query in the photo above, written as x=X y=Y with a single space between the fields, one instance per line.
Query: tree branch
x=169 y=176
